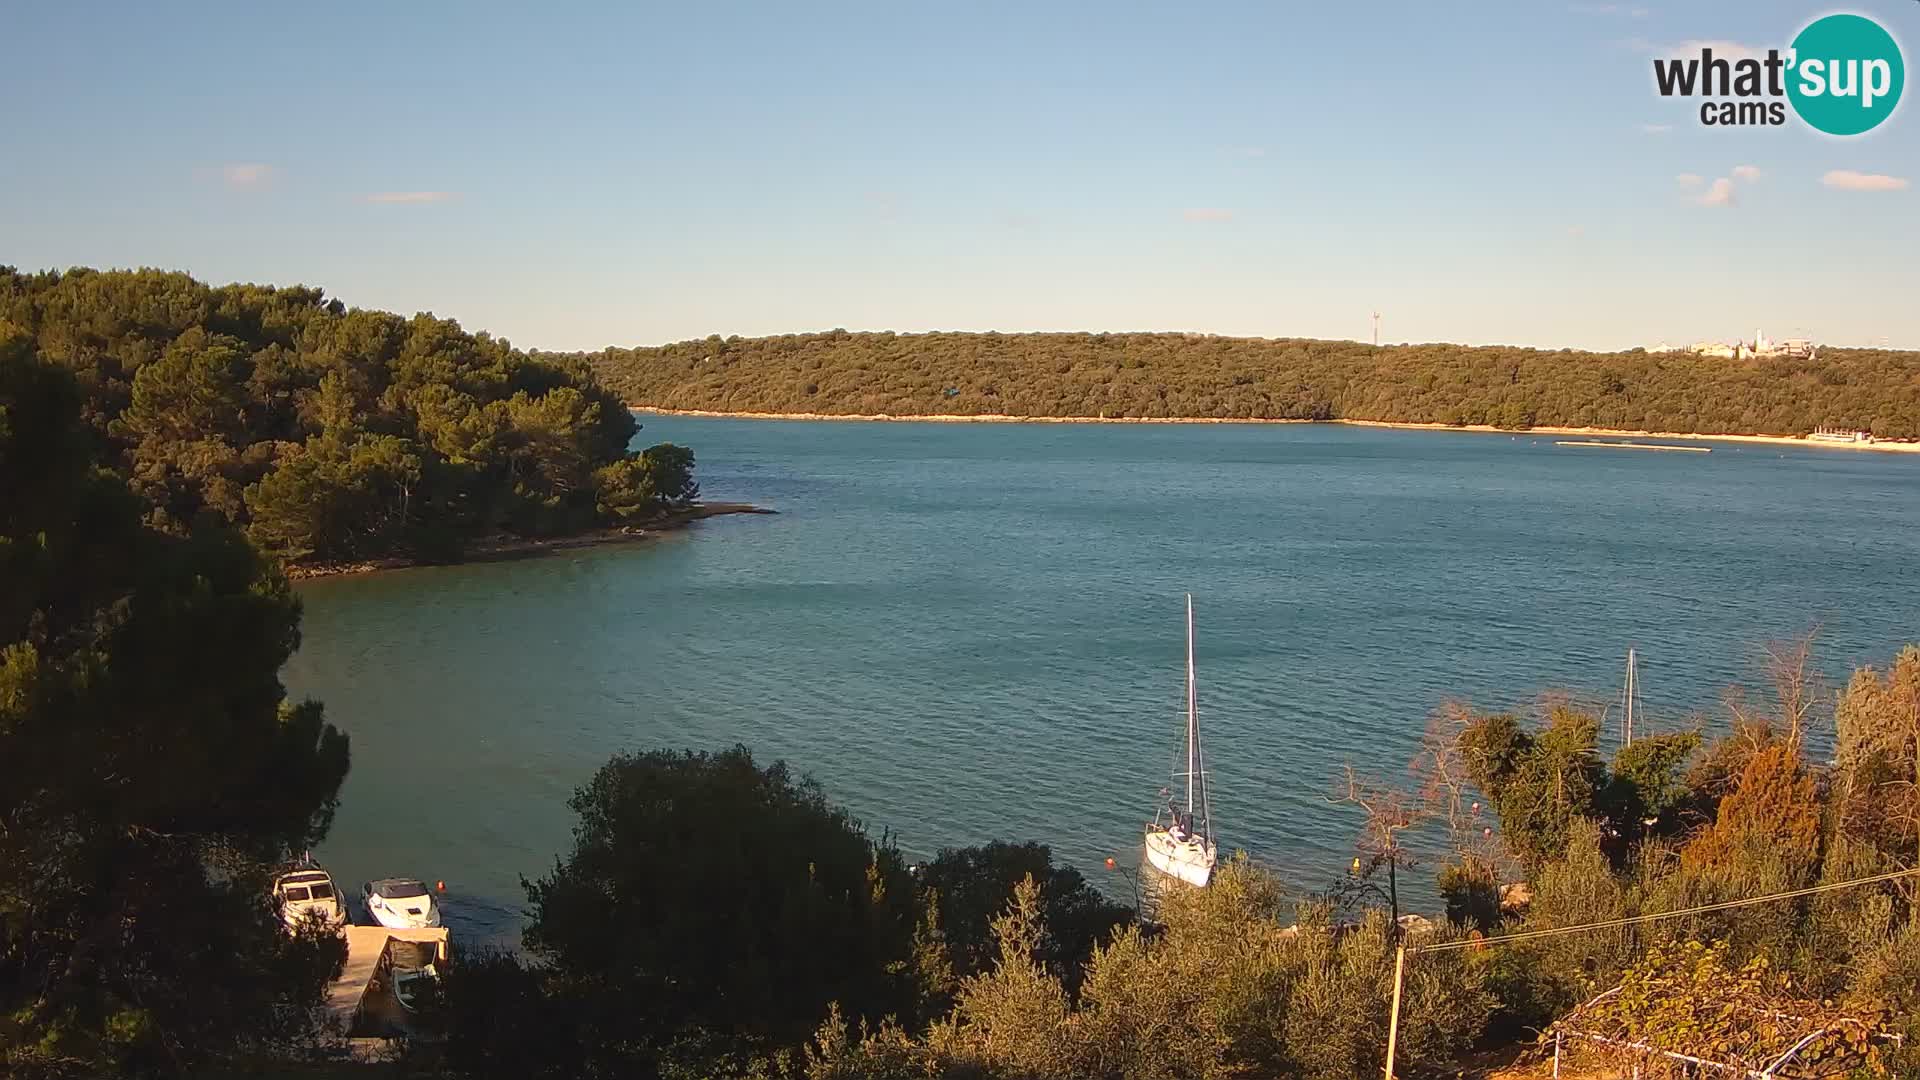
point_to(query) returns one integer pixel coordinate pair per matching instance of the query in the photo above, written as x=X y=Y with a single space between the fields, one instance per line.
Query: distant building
x=1763 y=346
x=1841 y=435
x=1760 y=345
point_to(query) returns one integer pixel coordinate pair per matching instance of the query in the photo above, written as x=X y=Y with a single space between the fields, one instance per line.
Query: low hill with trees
x=332 y=434
x=1205 y=376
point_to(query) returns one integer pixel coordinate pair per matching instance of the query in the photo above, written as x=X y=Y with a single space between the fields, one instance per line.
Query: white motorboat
x=400 y=903
x=1179 y=841
x=308 y=894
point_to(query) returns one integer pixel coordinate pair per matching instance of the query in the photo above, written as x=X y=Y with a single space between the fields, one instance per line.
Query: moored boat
x=400 y=903
x=412 y=967
x=307 y=893
x=1179 y=841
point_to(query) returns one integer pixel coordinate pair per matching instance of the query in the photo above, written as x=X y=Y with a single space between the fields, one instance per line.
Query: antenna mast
x=1376 y=330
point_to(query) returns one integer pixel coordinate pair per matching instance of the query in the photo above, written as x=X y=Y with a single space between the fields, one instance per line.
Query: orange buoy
x=441 y=886
x=1109 y=862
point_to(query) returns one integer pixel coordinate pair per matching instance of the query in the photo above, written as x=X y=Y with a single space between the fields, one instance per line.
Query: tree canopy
x=1676 y=821
x=709 y=908
x=968 y=888
x=1202 y=375
x=720 y=894
x=1233 y=982
x=151 y=768
x=330 y=433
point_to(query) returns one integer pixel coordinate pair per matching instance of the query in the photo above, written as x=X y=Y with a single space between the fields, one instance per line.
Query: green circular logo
x=1846 y=74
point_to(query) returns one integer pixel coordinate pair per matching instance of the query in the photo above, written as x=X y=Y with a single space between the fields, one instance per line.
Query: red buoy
x=1109 y=862
x=440 y=886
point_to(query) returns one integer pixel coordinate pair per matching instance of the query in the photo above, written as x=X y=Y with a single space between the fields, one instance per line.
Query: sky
x=581 y=175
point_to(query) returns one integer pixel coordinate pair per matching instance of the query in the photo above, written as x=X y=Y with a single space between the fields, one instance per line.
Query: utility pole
x=1393 y=1022
x=1393 y=881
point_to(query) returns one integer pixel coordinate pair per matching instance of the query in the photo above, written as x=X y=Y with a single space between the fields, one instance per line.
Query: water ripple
x=970 y=633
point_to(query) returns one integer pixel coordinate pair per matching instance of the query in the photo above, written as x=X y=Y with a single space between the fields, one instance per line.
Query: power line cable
x=1526 y=935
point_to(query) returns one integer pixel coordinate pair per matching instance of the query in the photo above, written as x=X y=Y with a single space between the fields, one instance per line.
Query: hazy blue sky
x=625 y=174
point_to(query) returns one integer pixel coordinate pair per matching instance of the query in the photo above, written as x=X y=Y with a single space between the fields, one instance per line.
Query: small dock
x=366 y=945
x=1634 y=445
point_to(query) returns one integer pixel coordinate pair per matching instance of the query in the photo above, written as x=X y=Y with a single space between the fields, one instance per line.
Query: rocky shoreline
x=501 y=548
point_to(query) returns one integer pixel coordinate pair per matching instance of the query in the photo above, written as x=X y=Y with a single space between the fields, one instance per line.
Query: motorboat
x=400 y=903
x=307 y=894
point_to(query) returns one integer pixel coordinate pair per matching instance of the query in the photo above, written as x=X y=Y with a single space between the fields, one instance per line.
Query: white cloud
x=1848 y=180
x=1656 y=129
x=247 y=175
x=1247 y=151
x=1719 y=193
x=1576 y=231
x=407 y=197
x=1206 y=213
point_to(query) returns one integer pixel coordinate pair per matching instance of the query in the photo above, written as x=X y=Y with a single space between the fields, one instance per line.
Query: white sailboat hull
x=1190 y=860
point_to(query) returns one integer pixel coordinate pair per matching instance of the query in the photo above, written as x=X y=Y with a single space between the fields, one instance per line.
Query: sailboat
x=1179 y=841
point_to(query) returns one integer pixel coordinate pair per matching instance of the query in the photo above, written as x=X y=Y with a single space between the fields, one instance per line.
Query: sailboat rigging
x=1629 y=696
x=1179 y=841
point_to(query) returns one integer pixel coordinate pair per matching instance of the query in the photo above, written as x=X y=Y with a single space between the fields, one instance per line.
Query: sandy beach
x=1487 y=429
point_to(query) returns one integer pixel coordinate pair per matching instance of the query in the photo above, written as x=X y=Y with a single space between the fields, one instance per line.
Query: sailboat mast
x=1627 y=732
x=1193 y=713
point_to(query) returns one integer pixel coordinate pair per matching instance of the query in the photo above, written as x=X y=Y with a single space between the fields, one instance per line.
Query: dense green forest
x=329 y=433
x=1195 y=375
x=152 y=771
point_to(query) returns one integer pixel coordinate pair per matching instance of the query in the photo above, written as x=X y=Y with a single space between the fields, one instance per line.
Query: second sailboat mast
x=1193 y=714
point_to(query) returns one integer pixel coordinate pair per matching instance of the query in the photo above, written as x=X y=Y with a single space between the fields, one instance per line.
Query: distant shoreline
x=501 y=549
x=1487 y=429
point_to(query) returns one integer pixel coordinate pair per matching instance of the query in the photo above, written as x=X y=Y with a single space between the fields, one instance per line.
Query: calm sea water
x=970 y=632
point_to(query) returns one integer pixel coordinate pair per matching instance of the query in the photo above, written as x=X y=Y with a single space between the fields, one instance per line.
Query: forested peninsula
x=334 y=435
x=1199 y=376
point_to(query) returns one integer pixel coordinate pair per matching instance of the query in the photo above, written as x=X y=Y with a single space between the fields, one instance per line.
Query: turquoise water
x=970 y=632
